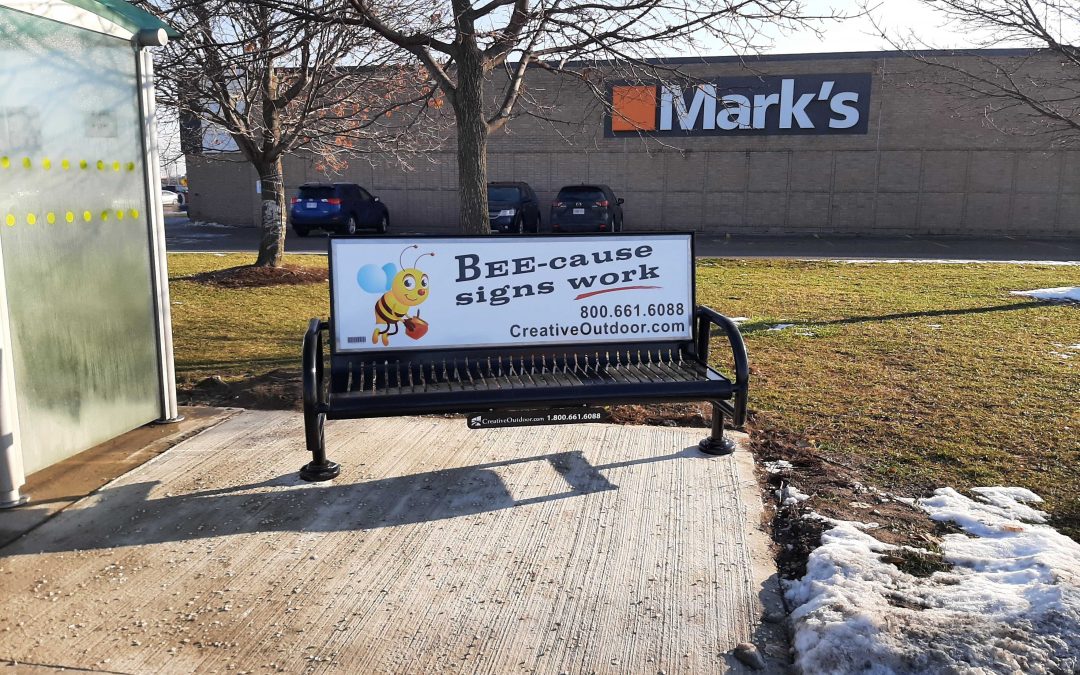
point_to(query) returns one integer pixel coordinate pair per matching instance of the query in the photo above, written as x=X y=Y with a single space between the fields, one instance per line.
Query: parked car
x=513 y=207
x=180 y=191
x=343 y=208
x=586 y=208
x=169 y=198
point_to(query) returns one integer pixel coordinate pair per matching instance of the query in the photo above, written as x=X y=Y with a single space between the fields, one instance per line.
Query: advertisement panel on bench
x=421 y=293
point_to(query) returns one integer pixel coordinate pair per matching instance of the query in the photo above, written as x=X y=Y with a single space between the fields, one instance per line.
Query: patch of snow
x=955 y=261
x=934 y=326
x=781 y=326
x=1011 y=603
x=1061 y=294
x=779 y=466
x=737 y=320
x=789 y=495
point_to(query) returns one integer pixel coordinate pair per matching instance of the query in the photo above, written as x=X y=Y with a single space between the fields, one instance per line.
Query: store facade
x=848 y=143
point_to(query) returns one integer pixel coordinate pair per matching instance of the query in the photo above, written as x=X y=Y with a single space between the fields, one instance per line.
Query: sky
x=899 y=18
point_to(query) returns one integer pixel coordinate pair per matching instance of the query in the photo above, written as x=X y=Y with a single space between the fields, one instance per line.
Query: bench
x=480 y=360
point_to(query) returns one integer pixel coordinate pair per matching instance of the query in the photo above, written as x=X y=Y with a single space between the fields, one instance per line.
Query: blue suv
x=343 y=208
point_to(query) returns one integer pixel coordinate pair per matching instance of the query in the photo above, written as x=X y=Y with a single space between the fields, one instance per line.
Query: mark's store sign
x=796 y=104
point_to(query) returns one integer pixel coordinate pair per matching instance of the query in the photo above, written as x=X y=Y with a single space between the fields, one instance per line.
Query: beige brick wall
x=930 y=164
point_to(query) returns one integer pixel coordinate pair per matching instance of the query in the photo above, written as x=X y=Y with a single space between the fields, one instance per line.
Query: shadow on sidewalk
x=126 y=516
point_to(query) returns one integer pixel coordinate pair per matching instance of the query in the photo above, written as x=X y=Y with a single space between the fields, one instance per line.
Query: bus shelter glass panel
x=73 y=226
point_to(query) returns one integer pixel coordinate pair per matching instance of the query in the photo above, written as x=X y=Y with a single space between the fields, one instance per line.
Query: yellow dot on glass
x=134 y=213
x=50 y=217
x=27 y=163
x=65 y=165
x=86 y=215
x=5 y=162
x=31 y=218
x=131 y=166
x=46 y=164
x=10 y=220
x=82 y=164
x=116 y=166
x=104 y=215
x=119 y=214
x=70 y=217
x=100 y=165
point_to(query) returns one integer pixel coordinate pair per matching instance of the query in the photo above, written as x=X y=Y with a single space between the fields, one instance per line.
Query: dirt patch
x=250 y=276
x=663 y=414
x=277 y=390
x=835 y=492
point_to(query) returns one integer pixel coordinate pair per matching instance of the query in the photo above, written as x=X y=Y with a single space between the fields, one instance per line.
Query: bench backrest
x=425 y=294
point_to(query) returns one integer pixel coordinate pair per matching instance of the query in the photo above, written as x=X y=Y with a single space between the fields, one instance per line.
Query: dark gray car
x=586 y=208
x=513 y=207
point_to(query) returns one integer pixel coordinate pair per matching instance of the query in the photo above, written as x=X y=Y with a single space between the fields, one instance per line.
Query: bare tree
x=274 y=83
x=1033 y=92
x=480 y=52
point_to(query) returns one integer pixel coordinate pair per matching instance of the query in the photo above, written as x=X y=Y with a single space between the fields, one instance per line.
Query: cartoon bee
x=401 y=290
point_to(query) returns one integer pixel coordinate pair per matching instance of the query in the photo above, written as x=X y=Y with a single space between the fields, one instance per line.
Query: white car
x=169 y=198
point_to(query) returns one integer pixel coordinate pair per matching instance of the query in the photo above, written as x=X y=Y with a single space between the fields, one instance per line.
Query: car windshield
x=316 y=192
x=503 y=194
x=581 y=194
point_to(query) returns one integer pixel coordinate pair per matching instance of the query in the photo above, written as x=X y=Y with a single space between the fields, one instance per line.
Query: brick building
x=848 y=143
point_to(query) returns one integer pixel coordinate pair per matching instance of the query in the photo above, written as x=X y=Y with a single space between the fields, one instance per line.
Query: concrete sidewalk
x=590 y=548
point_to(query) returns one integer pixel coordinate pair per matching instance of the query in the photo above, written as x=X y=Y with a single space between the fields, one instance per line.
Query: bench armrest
x=314 y=388
x=706 y=318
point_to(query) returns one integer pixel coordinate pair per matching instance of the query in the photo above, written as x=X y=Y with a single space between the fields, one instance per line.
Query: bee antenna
x=401 y=265
x=417 y=261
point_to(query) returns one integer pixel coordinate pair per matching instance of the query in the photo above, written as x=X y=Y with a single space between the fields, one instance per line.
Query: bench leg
x=319 y=468
x=717 y=443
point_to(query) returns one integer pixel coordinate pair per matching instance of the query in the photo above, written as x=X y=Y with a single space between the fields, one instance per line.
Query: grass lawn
x=915 y=375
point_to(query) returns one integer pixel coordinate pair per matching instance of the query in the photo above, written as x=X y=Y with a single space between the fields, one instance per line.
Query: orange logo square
x=633 y=108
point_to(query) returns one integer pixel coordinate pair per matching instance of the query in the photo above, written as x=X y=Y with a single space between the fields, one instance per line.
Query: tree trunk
x=272 y=245
x=472 y=136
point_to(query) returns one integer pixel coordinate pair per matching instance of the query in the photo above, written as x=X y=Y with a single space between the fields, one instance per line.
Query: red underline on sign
x=612 y=290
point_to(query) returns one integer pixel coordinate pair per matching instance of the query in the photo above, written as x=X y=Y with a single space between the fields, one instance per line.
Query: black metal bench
x=418 y=381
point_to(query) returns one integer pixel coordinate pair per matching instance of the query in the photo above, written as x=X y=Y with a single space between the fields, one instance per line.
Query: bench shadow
x=127 y=516
x=760 y=326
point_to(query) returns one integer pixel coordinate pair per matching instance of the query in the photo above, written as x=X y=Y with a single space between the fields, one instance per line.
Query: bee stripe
x=386 y=313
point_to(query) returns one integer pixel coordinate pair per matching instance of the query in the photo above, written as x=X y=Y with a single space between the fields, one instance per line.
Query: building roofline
x=829 y=56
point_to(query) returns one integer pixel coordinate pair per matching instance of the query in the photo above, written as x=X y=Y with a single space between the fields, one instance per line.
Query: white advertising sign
x=426 y=292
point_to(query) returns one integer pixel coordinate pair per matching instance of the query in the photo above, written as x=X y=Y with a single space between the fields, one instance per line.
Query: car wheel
x=301 y=231
x=538 y=226
x=350 y=227
x=519 y=226
x=384 y=223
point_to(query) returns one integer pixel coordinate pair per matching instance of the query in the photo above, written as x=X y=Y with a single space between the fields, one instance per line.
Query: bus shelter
x=85 y=335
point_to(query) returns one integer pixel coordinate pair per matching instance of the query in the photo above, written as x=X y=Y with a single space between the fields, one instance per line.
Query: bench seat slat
x=364 y=404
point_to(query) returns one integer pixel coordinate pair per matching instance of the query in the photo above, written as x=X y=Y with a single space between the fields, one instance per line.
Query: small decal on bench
x=527 y=418
x=354 y=340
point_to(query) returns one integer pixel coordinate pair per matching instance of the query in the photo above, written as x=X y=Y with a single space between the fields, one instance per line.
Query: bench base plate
x=717 y=446
x=313 y=472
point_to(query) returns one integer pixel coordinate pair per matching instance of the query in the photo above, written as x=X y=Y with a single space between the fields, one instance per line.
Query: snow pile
x=1010 y=604
x=1062 y=294
x=779 y=466
x=1070 y=350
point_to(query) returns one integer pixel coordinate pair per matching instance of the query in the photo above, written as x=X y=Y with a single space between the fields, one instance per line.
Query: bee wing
x=375 y=279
